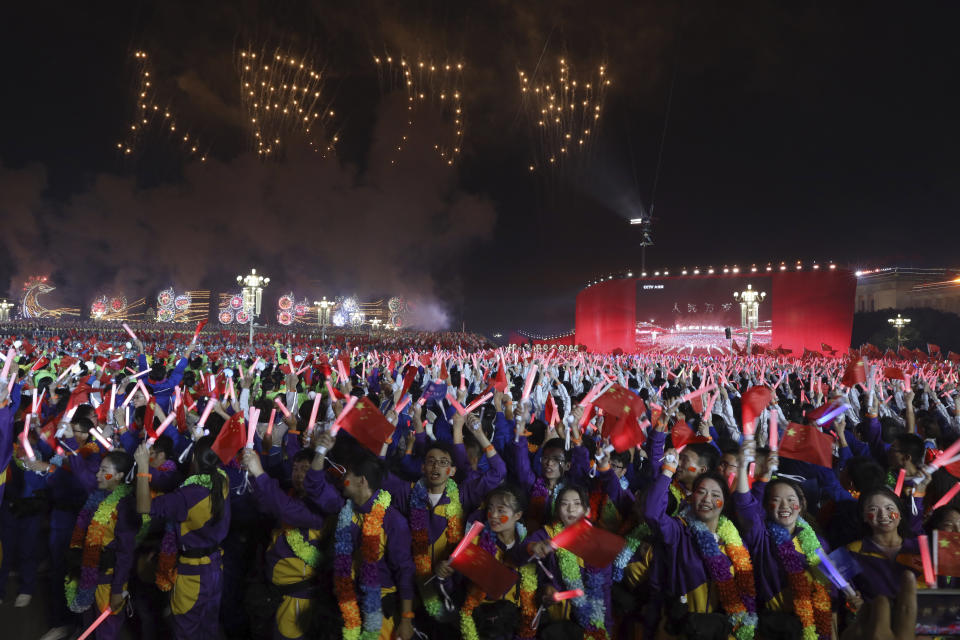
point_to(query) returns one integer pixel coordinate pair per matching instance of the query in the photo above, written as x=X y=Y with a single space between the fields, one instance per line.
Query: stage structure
x=231 y=309
x=116 y=308
x=187 y=307
x=32 y=307
x=801 y=308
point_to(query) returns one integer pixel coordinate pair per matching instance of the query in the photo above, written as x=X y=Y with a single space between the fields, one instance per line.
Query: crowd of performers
x=202 y=488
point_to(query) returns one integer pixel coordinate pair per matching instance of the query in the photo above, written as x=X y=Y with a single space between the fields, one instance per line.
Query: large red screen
x=802 y=309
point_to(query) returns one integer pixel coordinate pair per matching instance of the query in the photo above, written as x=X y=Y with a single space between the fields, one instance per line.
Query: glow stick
x=590 y=397
x=946 y=456
x=273 y=416
x=313 y=412
x=25 y=440
x=478 y=402
x=231 y=391
x=528 y=383
x=403 y=403
x=833 y=413
x=731 y=478
x=773 y=438
x=6 y=365
x=99 y=436
x=252 y=427
x=96 y=623
x=283 y=409
x=472 y=533
x=206 y=414
x=342 y=371
x=900 y=478
x=697 y=392
x=559 y=596
x=253 y=366
x=37 y=400
x=196 y=334
x=936 y=552
x=456 y=405
x=833 y=574
x=142 y=373
x=163 y=425
x=927 y=564
x=130 y=331
x=129 y=397
x=948 y=496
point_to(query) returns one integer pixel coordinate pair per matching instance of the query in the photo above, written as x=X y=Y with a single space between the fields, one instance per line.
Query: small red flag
x=681 y=435
x=933 y=349
x=854 y=373
x=232 y=438
x=597 y=547
x=948 y=553
x=806 y=443
x=365 y=423
x=626 y=434
x=619 y=401
x=408 y=377
x=892 y=373
x=491 y=575
x=550 y=413
x=148 y=411
x=500 y=381
x=754 y=401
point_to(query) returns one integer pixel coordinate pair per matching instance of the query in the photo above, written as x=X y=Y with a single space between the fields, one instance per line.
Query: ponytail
x=208 y=462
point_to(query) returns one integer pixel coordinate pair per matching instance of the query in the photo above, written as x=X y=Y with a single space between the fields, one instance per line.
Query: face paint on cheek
x=504 y=519
x=346 y=483
x=871 y=516
x=795 y=507
x=718 y=502
x=692 y=469
x=894 y=516
x=108 y=476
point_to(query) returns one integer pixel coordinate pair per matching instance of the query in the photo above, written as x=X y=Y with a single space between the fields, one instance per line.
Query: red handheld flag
x=854 y=373
x=948 y=553
x=682 y=435
x=492 y=576
x=618 y=401
x=802 y=442
x=597 y=547
x=367 y=425
x=232 y=438
x=754 y=401
x=890 y=373
x=626 y=434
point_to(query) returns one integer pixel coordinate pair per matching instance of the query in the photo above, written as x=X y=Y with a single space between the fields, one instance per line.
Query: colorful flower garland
x=167 y=558
x=528 y=587
x=343 y=585
x=96 y=520
x=737 y=592
x=811 y=601
x=588 y=609
x=634 y=539
x=420 y=534
x=308 y=553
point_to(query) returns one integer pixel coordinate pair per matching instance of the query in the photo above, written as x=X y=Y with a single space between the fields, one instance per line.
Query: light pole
x=5 y=307
x=253 y=285
x=373 y=325
x=646 y=238
x=323 y=308
x=899 y=323
x=749 y=311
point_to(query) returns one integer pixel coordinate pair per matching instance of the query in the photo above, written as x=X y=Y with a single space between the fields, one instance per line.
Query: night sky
x=816 y=132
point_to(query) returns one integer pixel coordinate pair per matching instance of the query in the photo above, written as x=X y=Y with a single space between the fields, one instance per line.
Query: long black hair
x=903 y=528
x=208 y=462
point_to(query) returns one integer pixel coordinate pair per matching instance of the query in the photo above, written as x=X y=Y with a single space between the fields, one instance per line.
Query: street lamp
x=646 y=238
x=749 y=310
x=253 y=285
x=899 y=323
x=323 y=310
x=5 y=307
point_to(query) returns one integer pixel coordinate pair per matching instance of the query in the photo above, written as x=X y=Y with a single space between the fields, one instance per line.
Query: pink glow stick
x=273 y=416
x=99 y=436
x=129 y=397
x=697 y=392
x=7 y=362
x=96 y=623
x=946 y=456
x=342 y=371
x=351 y=403
x=906 y=382
x=313 y=412
x=948 y=496
x=925 y=559
x=528 y=383
x=456 y=405
x=163 y=425
x=130 y=331
x=206 y=414
x=142 y=373
x=900 y=478
x=478 y=402
x=283 y=409
x=403 y=403
x=35 y=402
x=253 y=366
x=231 y=391
x=559 y=596
x=252 y=427
x=25 y=440
x=773 y=440
x=472 y=533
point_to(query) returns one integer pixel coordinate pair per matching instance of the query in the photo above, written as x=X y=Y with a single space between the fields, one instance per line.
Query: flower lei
x=167 y=558
x=420 y=534
x=369 y=577
x=634 y=539
x=737 y=593
x=308 y=553
x=96 y=520
x=528 y=587
x=588 y=609
x=811 y=602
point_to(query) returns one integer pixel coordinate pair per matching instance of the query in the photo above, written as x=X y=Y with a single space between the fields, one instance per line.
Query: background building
x=903 y=288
